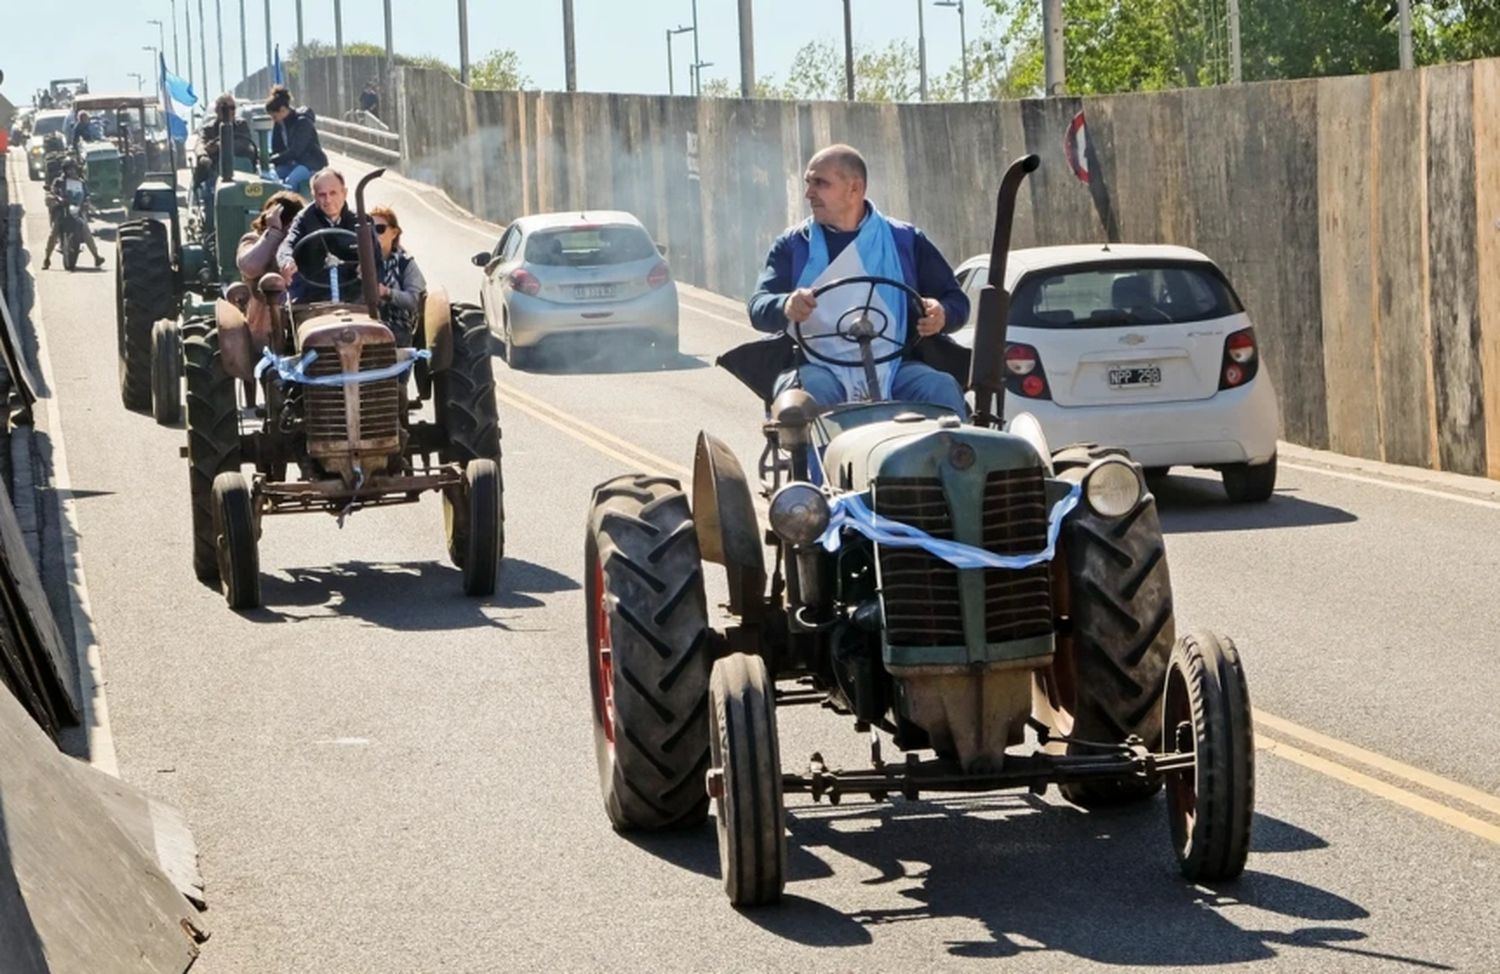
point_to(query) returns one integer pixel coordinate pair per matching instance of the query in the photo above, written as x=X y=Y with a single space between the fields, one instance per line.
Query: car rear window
x=1109 y=295
x=589 y=246
x=48 y=125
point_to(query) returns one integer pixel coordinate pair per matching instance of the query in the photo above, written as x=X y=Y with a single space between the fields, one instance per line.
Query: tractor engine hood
x=916 y=446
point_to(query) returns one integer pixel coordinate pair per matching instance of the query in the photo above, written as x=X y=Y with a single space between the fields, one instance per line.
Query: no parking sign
x=1076 y=146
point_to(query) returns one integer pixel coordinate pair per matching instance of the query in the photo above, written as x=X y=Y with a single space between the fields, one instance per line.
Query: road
x=385 y=776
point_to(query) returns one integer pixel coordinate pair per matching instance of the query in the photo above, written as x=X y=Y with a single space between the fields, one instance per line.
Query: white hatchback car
x=1145 y=347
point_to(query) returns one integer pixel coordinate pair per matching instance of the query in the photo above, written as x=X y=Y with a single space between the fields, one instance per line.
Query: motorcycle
x=71 y=231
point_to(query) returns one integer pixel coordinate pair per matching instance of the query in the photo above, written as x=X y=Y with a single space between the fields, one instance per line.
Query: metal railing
x=361 y=142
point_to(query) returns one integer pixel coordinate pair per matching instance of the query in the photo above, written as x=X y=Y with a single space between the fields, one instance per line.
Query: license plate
x=1128 y=376
x=593 y=292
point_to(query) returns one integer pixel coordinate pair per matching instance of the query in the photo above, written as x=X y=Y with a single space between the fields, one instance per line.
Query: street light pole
x=747 y=50
x=921 y=53
x=463 y=41
x=1404 y=12
x=697 y=60
x=187 y=31
x=219 y=25
x=963 y=41
x=848 y=53
x=270 y=58
x=160 y=33
x=203 y=46
x=338 y=63
x=1236 y=62
x=671 y=84
x=1052 y=46
x=390 y=49
x=176 y=57
x=570 y=57
x=244 y=48
x=155 y=57
x=140 y=80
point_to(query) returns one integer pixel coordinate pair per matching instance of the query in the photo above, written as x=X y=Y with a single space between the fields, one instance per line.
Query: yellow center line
x=634 y=456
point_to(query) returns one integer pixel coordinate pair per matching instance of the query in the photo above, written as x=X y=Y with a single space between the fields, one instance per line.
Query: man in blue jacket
x=836 y=181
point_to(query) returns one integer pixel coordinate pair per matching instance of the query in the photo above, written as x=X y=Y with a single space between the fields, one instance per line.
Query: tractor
x=170 y=268
x=335 y=397
x=1000 y=612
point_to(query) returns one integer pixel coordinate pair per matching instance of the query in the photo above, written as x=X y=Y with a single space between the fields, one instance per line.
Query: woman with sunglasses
x=256 y=256
x=401 y=281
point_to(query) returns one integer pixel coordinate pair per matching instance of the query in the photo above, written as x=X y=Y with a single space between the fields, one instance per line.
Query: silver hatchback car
x=596 y=273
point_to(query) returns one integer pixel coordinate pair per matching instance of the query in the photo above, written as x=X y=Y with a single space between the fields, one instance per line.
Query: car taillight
x=1020 y=359
x=1027 y=377
x=659 y=275
x=1241 y=359
x=525 y=281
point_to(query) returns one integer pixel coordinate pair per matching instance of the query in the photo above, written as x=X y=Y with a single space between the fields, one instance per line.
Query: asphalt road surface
x=383 y=775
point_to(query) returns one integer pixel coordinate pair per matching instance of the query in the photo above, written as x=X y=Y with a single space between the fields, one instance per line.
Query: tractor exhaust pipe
x=226 y=147
x=368 y=276
x=987 y=365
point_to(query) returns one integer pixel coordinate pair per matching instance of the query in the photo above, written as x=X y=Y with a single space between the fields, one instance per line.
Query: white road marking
x=101 y=741
x=1393 y=485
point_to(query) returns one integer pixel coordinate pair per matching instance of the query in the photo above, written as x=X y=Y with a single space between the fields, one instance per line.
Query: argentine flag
x=177 y=100
x=277 y=78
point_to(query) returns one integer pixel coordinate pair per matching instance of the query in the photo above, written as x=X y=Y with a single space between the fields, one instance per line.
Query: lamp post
x=161 y=33
x=155 y=56
x=671 y=85
x=140 y=79
x=176 y=57
x=848 y=53
x=963 y=40
x=921 y=54
x=698 y=64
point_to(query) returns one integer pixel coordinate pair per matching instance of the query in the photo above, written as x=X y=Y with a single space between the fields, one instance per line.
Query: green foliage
x=498 y=69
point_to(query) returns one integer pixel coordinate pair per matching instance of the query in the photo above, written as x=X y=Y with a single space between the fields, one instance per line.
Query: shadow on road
x=1037 y=878
x=1192 y=505
x=583 y=355
x=422 y=596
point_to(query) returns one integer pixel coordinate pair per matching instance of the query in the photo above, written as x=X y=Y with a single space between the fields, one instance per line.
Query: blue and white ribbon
x=850 y=511
x=294 y=369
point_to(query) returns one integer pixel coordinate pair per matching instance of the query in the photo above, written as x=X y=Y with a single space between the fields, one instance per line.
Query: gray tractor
x=949 y=586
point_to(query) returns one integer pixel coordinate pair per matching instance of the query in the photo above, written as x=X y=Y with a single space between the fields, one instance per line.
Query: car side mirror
x=661 y=248
x=481 y=259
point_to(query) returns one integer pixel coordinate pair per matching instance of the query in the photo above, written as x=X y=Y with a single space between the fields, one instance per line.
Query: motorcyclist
x=801 y=258
x=330 y=209
x=296 y=152
x=69 y=187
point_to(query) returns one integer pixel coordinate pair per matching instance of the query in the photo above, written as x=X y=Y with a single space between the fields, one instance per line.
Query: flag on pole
x=276 y=76
x=177 y=100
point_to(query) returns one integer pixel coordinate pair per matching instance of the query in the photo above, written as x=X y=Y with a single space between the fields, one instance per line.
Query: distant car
x=1147 y=347
x=46 y=123
x=594 y=273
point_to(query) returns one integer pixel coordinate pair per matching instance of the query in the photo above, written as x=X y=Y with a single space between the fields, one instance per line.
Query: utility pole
x=1052 y=40
x=244 y=45
x=697 y=61
x=848 y=53
x=176 y=57
x=747 y=50
x=203 y=48
x=570 y=57
x=219 y=25
x=463 y=41
x=671 y=86
x=301 y=54
x=1404 y=13
x=390 y=49
x=338 y=63
x=270 y=58
x=1236 y=63
x=921 y=53
x=187 y=31
x=963 y=41
x=140 y=79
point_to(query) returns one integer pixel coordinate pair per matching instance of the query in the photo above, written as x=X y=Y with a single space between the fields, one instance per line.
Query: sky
x=621 y=44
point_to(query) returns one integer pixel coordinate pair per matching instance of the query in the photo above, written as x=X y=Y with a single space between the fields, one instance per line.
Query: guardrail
x=361 y=142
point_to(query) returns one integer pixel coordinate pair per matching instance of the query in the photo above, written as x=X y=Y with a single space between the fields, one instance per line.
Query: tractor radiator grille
x=921 y=594
x=379 y=402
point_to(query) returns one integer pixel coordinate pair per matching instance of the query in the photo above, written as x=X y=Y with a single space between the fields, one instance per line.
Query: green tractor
x=949 y=586
x=170 y=268
x=134 y=142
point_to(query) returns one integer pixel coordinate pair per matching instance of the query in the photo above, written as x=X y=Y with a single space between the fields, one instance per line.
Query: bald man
x=836 y=180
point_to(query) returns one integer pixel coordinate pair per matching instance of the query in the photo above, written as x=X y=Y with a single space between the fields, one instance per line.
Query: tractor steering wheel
x=858 y=326
x=346 y=238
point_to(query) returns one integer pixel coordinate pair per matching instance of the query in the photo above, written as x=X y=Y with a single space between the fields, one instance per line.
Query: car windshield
x=1122 y=294
x=49 y=124
x=589 y=246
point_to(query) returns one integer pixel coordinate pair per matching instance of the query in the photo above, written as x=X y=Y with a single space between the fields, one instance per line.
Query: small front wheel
x=483 y=538
x=1206 y=712
x=745 y=781
x=235 y=538
x=166 y=372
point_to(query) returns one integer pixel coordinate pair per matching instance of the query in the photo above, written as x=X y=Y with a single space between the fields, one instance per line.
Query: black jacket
x=310 y=263
x=244 y=145
x=295 y=140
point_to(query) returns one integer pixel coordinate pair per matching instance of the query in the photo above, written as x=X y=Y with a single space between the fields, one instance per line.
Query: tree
x=498 y=69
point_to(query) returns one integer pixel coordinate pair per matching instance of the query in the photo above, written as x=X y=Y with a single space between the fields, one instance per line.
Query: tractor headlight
x=799 y=513
x=1112 y=488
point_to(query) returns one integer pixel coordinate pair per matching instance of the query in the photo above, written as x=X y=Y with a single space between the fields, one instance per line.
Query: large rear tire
x=144 y=294
x=166 y=372
x=748 y=806
x=213 y=428
x=464 y=403
x=648 y=643
x=1206 y=710
x=1107 y=686
x=235 y=532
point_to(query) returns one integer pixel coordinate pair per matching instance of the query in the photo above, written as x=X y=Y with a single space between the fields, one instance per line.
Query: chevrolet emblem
x=1132 y=339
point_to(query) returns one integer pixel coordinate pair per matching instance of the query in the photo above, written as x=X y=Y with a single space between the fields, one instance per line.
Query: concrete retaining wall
x=1359 y=218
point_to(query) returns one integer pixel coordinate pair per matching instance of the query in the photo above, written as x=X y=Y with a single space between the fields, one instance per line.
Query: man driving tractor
x=847 y=236
x=307 y=267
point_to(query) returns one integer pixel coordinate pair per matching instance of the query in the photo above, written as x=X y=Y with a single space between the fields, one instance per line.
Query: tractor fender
x=728 y=528
x=437 y=329
x=236 y=347
x=1029 y=428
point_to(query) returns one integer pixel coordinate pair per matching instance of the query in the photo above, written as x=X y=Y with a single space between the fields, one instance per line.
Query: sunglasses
x=381 y=228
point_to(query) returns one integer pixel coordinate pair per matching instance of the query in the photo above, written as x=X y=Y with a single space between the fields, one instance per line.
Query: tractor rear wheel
x=213 y=428
x=748 y=806
x=1206 y=710
x=1107 y=688
x=144 y=294
x=166 y=372
x=648 y=646
x=464 y=404
x=235 y=537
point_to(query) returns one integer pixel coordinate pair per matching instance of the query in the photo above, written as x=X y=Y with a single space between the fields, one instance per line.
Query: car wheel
x=1250 y=485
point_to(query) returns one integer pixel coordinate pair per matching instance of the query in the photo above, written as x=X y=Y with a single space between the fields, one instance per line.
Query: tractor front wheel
x=166 y=372
x=236 y=542
x=481 y=544
x=1206 y=711
x=746 y=781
